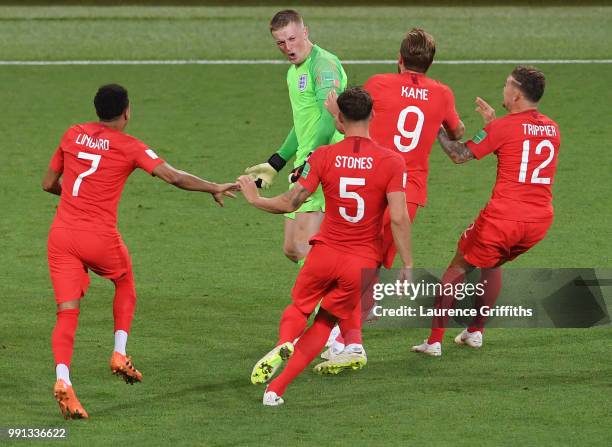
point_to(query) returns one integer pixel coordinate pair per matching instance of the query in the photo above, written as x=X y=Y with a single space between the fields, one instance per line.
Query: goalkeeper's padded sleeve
x=288 y=148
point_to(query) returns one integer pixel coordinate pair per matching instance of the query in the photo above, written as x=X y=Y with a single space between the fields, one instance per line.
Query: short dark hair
x=283 y=18
x=530 y=81
x=418 y=50
x=355 y=104
x=110 y=101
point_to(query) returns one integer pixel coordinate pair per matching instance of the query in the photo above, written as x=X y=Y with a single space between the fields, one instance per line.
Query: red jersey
x=96 y=161
x=527 y=147
x=408 y=111
x=356 y=175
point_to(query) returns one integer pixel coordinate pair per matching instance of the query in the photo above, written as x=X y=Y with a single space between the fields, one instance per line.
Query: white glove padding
x=264 y=172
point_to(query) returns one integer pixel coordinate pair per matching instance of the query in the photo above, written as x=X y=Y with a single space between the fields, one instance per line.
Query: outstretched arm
x=190 y=182
x=52 y=183
x=456 y=150
x=284 y=203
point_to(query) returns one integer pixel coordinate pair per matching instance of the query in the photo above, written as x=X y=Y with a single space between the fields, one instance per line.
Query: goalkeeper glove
x=264 y=173
x=295 y=175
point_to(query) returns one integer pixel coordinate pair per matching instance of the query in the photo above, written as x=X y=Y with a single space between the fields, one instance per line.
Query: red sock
x=292 y=324
x=306 y=349
x=453 y=275
x=492 y=287
x=351 y=327
x=124 y=303
x=62 y=338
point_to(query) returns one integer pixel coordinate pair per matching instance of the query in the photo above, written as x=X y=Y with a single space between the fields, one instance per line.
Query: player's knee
x=124 y=285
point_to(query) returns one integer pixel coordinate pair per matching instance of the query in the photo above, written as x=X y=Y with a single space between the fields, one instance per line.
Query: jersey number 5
x=95 y=161
x=535 y=177
x=413 y=134
x=344 y=182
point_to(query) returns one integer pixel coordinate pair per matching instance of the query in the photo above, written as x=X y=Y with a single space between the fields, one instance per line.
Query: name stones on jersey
x=343 y=161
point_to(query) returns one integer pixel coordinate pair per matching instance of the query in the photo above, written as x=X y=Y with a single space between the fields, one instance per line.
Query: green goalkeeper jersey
x=309 y=84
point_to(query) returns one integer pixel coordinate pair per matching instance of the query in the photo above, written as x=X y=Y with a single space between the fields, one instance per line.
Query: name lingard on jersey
x=345 y=161
x=101 y=144
x=415 y=93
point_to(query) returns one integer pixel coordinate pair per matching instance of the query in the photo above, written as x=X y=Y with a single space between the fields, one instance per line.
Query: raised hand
x=331 y=103
x=485 y=110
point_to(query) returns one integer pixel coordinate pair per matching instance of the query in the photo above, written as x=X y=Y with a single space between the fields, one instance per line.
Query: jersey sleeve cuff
x=311 y=188
x=153 y=164
x=473 y=147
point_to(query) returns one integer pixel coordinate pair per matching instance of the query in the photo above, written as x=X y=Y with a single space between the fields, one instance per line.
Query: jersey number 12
x=535 y=177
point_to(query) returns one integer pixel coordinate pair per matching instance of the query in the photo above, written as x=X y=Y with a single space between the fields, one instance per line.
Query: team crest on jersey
x=302 y=82
x=479 y=136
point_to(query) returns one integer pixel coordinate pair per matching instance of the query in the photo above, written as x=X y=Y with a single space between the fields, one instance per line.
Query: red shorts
x=72 y=252
x=490 y=242
x=332 y=275
x=389 y=249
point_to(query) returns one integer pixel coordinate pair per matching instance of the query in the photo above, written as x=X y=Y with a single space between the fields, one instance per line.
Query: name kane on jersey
x=415 y=93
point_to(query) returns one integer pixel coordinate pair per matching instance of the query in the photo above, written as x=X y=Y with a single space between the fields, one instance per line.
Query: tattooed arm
x=283 y=203
x=456 y=150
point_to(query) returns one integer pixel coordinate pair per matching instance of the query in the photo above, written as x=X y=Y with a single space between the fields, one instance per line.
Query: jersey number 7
x=95 y=161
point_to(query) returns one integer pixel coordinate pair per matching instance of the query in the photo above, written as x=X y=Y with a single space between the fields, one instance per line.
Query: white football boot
x=434 y=349
x=353 y=357
x=270 y=399
x=335 y=349
x=471 y=339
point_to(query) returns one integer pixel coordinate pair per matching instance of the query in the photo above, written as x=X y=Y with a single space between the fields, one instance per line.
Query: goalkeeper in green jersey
x=313 y=74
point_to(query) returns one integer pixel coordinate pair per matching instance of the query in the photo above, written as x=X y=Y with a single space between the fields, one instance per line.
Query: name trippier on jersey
x=536 y=130
x=344 y=161
x=101 y=144
x=415 y=93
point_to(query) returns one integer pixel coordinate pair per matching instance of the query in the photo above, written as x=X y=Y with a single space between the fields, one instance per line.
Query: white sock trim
x=120 y=341
x=62 y=372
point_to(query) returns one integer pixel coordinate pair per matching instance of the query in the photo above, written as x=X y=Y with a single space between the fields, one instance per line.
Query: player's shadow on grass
x=207 y=388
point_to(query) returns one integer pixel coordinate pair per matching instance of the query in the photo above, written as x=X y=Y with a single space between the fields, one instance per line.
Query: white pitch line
x=282 y=62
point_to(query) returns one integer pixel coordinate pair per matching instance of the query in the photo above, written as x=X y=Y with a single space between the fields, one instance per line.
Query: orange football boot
x=69 y=405
x=121 y=365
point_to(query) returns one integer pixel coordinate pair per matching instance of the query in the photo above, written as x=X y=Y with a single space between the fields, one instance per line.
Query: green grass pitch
x=212 y=282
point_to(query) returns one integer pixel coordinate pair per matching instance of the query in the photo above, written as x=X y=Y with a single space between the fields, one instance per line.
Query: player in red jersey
x=95 y=159
x=360 y=179
x=520 y=210
x=409 y=108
